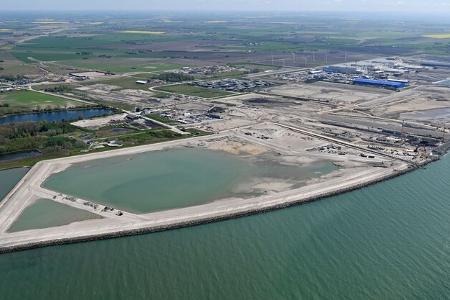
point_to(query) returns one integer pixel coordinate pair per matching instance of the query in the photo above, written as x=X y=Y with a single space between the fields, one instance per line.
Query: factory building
x=79 y=76
x=405 y=81
x=380 y=83
x=341 y=69
x=141 y=81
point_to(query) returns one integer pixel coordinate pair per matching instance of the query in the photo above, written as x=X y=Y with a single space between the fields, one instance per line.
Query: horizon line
x=224 y=10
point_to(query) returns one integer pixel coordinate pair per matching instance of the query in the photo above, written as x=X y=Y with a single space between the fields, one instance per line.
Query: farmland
x=143 y=32
x=438 y=36
x=22 y=101
x=123 y=82
x=121 y=65
x=161 y=44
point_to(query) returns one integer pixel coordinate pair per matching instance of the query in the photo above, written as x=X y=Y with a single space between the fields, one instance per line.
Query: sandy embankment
x=21 y=196
x=219 y=210
x=99 y=122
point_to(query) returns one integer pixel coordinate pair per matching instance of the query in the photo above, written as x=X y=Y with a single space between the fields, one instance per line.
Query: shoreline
x=176 y=218
x=198 y=222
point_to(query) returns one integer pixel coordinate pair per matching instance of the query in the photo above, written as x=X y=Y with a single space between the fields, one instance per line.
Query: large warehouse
x=341 y=69
x=380 y=83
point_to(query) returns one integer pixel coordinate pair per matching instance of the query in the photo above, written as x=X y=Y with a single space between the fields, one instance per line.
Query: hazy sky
x=270 y=5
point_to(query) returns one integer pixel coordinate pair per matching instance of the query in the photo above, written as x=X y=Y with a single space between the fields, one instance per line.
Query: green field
x=22 y=101
x=121 y=65
x=12 y=67
x=189 y=90
x=65 y=48
x=123 y=83
x=438 y=36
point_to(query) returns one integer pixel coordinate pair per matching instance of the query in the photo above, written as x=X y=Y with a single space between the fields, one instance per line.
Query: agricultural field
x=121 y=65
x=12 y=67
x=189 y=90
x=438 y=36
x=125 y=82
x=66 y=47
x=23 y=101
x=143 y=32
x=163 y=44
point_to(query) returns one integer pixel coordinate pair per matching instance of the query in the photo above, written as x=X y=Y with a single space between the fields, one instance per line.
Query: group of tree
x=174 y=77
x=12 y=77
x=44 y=136
x=58 y=89
x=30 y=129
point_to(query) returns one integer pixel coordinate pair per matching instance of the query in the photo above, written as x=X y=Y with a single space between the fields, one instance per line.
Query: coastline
x=177 y=218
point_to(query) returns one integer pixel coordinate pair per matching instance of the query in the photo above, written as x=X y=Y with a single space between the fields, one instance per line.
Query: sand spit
x=29 y=189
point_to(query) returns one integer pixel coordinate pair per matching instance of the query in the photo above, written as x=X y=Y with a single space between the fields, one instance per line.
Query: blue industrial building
x=380 y=83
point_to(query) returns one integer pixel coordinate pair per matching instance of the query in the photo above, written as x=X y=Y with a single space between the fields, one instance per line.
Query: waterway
x=160 y=180
x=46 y=213
x=387 y=241
x=19 y=155
x=56 y=116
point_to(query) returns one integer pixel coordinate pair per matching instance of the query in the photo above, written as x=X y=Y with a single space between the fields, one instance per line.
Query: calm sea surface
x=46 y=213
x=9 y=178
x=388 y=241
x=56 y=116
x=159 y=180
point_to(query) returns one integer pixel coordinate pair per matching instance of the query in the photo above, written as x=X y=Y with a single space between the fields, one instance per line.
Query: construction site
x=302 y=117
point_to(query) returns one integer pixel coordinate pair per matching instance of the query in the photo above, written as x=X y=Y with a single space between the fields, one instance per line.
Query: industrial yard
x=368 y=133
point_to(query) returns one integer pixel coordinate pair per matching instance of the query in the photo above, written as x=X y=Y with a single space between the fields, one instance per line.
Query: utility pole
x=443 y=132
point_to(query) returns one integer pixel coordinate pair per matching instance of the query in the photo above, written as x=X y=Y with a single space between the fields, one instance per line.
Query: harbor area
x=251 y=174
